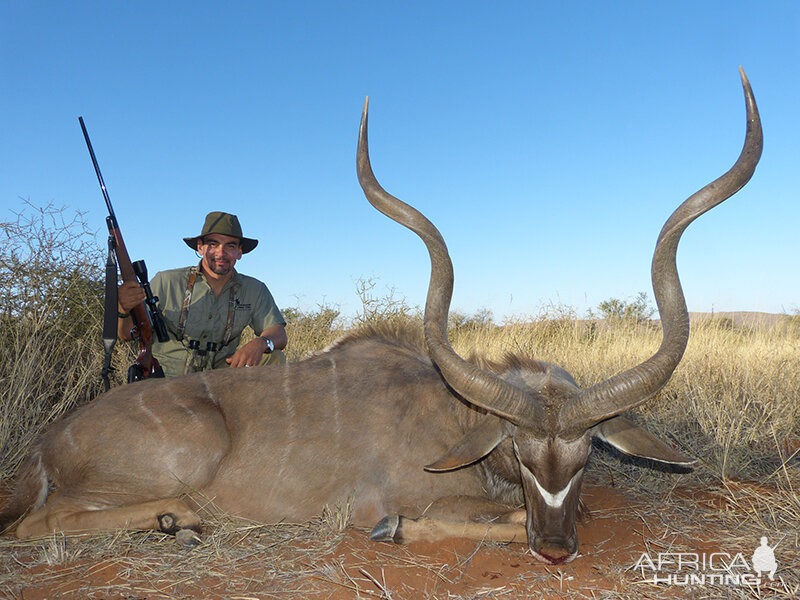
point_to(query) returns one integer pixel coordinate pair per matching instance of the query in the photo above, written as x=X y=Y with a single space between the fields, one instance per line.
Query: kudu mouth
x=554 y=551
x=550 y=546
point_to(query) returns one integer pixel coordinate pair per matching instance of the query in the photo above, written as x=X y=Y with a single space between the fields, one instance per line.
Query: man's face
x=219 y=252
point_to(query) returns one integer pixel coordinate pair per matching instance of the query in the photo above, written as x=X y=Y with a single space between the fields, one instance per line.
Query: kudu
x=357 y=423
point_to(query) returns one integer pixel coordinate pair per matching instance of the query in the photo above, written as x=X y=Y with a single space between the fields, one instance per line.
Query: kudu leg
x=455 y=517
x=69 y=515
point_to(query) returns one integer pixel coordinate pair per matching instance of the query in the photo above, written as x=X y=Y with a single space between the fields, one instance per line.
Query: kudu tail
x=30 y=492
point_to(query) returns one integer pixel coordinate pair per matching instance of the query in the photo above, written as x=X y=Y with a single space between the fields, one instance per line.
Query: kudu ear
x=631 y=439
x=476 y=444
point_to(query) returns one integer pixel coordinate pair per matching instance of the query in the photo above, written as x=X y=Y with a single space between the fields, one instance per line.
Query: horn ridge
x=479 y=387
x=636 y=385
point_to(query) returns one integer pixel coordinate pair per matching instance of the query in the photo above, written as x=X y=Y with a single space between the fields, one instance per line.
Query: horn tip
x=743 y=75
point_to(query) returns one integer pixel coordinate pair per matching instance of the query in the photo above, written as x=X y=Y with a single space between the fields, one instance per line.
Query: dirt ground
x=302 y=563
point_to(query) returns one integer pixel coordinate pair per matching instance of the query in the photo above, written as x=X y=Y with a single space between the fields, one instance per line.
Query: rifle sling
x=110 y=310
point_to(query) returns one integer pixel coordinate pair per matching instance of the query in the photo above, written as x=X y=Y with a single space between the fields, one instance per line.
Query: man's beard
x=219 y=267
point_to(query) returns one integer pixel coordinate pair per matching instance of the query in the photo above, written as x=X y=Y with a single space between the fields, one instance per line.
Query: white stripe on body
x=291 y=427
x=70 y=440
x=334 y=391
x=158 y=424
x=208 y=388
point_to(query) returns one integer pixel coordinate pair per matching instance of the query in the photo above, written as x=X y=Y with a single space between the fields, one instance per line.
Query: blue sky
x=547 y=141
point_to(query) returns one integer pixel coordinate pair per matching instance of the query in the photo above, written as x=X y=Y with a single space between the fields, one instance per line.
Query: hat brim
x=247 y=244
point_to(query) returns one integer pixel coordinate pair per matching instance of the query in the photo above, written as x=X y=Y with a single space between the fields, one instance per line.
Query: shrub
x=51 y=303
x=375 y=309
x=311 y=331
x=638 y=309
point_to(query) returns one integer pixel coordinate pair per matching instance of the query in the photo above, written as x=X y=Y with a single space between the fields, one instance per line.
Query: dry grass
x=733 y=404
x=724 y=406
x=234 y=560
x=312 y=560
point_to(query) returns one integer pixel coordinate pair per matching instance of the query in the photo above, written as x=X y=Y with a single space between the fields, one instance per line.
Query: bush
x=638 y=309
x=480 y=319
x=376 y=309
x=51 y=304
x=311 y=331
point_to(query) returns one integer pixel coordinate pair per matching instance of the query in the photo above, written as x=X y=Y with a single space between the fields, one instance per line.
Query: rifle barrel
x=97 y=170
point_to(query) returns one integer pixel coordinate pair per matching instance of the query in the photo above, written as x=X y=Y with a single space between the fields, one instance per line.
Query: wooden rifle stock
x=142 y=328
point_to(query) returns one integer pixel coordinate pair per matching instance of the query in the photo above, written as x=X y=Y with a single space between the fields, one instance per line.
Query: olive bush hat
x=225 y=224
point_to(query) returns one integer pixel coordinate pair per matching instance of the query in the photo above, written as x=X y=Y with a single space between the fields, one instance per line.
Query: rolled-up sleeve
x=265 y=311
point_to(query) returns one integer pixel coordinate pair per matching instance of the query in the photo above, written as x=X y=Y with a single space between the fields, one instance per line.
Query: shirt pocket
x=242 y=317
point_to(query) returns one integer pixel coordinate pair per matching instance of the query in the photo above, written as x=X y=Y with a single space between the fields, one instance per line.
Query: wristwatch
x=268 y=342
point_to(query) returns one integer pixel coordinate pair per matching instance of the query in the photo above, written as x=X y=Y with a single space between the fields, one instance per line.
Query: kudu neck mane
x=520 y=371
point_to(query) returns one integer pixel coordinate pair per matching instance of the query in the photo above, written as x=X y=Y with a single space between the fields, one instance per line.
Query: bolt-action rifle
x=146 y=316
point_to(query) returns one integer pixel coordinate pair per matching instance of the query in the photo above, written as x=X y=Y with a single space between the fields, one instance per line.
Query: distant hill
x=740 y=318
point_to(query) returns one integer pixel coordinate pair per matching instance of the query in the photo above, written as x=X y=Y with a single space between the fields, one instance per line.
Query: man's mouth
x=219 y=266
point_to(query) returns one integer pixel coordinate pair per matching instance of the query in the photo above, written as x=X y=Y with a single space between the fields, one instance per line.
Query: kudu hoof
x=188 y=538
x=167 y=524
x=185 y=536
x=387 y=530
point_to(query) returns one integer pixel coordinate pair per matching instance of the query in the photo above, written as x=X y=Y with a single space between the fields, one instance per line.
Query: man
x=206 y=307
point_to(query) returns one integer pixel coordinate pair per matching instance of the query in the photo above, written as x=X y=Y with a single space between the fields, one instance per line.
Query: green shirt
x=207 y=317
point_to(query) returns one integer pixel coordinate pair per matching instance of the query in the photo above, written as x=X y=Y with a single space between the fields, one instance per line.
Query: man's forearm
x=276 y=333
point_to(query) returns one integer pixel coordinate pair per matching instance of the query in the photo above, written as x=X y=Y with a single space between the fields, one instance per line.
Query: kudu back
x=360 y=423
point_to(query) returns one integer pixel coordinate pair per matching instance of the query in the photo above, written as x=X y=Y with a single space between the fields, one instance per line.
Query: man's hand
x=248 y=355
x=252 y=352
x=130 y=294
